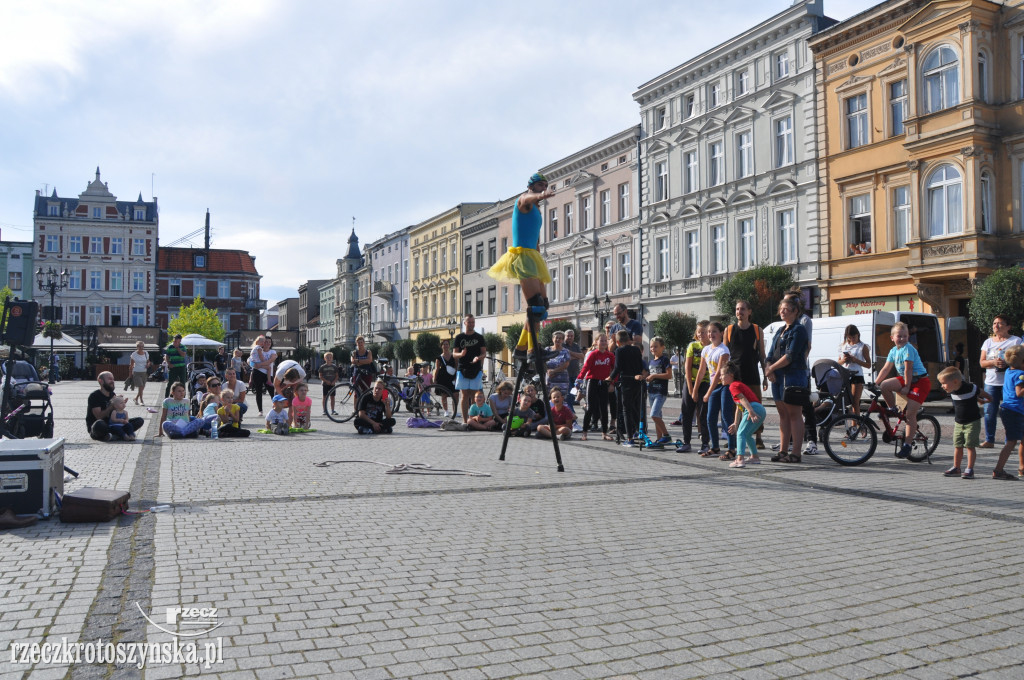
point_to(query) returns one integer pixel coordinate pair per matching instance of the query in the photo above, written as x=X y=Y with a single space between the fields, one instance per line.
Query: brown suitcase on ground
x=93 y=505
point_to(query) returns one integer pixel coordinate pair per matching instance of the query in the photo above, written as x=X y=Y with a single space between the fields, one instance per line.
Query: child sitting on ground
x=966 y=419
x=278 y=418
x=501 y=402
x=302 y=407
x=1011 y=412
x=374 y=416
x=561 y=418
x=118 y=423
x=208 y=412
x=175 y=420
x=525 y=414
x=229 y=417
x=481 y=417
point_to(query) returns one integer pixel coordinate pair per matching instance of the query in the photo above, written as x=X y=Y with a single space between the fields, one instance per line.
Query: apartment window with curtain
x=742 y=82
x=480 y=255
x=660 y=118
x=856 y=121
x=783 y=141
x=941 y=74
x=900 y=216
x=692 y=179
x=660 y=181
x=897 y=106
x=718 y=264
x=568 y=218
x=492 y=300
x=744 y=154
x=716 y=168
x=692 y=239
x=748 y=244
x=787 y=235
x=586 y=279
x=944 y=195
x=553 y=288
x=858 y=237
x=553 y=223
x=782 y=65
x=467 y=304
x=569 y=282
x=663 y=260
x=688 y=105
x=714 y=95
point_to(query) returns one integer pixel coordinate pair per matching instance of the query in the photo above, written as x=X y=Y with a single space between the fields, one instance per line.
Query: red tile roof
x=219 y=261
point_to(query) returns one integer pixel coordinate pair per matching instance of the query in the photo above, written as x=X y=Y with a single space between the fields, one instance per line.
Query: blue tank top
x=526 y=227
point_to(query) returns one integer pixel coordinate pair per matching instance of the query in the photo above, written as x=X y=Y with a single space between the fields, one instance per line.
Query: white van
x=875 y=330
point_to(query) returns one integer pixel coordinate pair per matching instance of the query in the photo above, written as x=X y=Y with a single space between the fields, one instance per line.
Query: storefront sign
x=119 y=335
x=887 y=303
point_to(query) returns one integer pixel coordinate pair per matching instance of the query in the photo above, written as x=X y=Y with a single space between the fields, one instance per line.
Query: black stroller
x=29 y=410
x=835 y=396
x=196 y=370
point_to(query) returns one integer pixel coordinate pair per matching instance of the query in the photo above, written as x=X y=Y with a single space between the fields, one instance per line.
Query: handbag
x=796 y=396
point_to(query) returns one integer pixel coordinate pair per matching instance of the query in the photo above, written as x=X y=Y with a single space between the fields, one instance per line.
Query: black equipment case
x=30 y=471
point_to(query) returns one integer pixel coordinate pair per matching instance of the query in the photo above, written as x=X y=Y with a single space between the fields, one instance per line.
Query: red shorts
x=919 y=389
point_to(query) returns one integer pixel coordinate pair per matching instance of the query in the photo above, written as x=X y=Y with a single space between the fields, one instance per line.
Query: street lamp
x=453 y=325
x=51 y=282
x=602 y=313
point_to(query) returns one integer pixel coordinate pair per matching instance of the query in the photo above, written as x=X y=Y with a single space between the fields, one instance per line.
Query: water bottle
x=215 y=431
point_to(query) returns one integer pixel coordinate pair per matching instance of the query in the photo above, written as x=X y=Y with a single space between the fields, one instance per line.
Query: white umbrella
x=194 y=340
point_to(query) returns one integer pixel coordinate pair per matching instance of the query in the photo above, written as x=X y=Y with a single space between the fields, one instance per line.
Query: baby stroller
x=197 y=369
x=29 y=408
x=835 y=396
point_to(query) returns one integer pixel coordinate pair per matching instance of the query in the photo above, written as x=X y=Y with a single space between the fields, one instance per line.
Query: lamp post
x=453 y=325
x=602 y=313
x=51 y=282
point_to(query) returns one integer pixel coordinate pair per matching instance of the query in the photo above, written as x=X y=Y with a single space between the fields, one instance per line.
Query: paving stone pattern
x=631 y=564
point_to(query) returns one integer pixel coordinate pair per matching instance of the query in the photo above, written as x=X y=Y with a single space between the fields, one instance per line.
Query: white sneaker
x=776 y=446
x=810 y=449
x=576 y=427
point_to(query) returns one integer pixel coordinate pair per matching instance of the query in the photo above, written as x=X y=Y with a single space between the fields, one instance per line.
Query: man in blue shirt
x=624 y=323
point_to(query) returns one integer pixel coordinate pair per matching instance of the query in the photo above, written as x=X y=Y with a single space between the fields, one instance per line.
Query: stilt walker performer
x=524 y=265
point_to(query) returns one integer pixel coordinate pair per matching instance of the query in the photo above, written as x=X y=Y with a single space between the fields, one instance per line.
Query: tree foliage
x=343 y=355
x=494 y=343
x=763 y=287
x=5 y=293
x=546 y=331
x=374 y=348
x=387 y=351
x=675 y=328
x=512 y=335
x=1002 y=292
x=428 y=346
x=196 y=318
x=405 y=350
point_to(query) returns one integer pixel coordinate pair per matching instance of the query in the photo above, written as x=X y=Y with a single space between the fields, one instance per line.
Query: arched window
x=944 y=194
x=941 y=80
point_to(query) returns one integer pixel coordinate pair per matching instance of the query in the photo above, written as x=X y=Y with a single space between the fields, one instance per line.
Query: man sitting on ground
x=99 y=408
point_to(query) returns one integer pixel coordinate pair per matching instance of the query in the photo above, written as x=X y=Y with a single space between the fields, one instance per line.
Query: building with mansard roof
x=109 y=249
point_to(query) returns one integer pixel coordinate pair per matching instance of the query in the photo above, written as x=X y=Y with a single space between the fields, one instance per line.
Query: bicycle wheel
x=344 y=403
x=927 y=438
x=850 y=439
x=432 y=401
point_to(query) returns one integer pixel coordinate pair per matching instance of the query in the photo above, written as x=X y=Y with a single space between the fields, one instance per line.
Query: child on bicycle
x=911 y=381
x=749 y=406
x=1011 y=411
x=966 y=418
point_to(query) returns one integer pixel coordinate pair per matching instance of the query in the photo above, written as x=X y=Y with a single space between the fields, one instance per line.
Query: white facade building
x=729 y=164
x=108 y=247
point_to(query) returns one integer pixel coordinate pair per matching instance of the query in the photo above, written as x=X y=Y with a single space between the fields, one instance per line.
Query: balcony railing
x=253 y=303
x=384 y=289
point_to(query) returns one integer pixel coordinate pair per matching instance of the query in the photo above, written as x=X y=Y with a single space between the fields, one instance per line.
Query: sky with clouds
x=289 y=118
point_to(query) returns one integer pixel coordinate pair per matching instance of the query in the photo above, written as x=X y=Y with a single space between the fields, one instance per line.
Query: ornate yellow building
x=921 y=148
x=435 y=286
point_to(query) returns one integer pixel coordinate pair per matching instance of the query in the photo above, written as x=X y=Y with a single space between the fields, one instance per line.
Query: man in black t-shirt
x=629 y=370
x=99 y=409
x=221 y=360
x=469 y=349
x=374 y=412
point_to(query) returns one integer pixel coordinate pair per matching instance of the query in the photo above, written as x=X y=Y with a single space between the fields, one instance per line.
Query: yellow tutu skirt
x=520 y=263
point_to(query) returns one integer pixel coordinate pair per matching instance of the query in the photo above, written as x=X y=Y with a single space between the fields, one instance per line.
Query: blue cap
x=278 y=397
x=536 y=177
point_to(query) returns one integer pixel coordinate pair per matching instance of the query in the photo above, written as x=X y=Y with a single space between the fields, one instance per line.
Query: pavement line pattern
x=128 y=577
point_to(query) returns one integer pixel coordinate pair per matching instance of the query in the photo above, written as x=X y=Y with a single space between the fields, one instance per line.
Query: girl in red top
x=597 y=366
x=749 y=405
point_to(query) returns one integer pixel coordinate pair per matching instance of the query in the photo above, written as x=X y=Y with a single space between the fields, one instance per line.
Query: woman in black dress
x=444 y=372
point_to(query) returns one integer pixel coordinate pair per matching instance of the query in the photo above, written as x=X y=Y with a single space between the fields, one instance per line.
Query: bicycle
x=926 y=440
x=346 y=395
